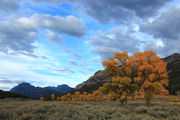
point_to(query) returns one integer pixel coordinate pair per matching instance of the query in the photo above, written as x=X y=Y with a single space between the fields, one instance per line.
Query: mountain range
x=173 y=68
x=31 y=91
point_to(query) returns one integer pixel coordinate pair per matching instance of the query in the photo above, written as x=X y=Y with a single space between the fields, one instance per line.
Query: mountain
x=93 y=82
x=5 y=94
x=173 y=68
x=35 y=92
x=61 y=89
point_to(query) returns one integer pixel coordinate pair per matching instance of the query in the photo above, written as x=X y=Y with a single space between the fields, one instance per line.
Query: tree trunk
x=148 y=100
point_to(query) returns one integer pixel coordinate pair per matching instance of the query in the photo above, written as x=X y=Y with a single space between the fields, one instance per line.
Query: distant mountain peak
x=172 y=58
x=25 y=83
x=176 y=54
x=31 y=91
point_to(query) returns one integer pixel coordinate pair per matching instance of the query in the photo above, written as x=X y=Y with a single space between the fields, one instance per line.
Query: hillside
x=173 y=68
x=35 y=92
x=93 y=82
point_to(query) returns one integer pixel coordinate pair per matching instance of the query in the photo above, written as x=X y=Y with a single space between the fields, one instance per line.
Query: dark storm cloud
x=103 y=10
x=166 y=26
x=13 y=5
x=121 y=10
x=117 y=39
x=9 y=5
x=167 y=29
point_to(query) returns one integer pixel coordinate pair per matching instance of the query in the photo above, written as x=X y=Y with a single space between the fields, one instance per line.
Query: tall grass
x=58 y=110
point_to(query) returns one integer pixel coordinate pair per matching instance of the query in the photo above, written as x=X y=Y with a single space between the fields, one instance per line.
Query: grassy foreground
x=57 y=110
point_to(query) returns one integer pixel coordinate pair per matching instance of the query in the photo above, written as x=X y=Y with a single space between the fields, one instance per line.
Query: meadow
x=69 y=110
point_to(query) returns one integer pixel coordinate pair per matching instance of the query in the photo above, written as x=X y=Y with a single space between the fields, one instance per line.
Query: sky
x=54 y=42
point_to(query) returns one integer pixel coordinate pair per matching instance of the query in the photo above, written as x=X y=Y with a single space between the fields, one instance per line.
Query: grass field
x=57 y=110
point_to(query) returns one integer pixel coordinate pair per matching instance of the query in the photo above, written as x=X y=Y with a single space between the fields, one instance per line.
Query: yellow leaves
x=137 y=55
x=106 y=63
x=119 y=55
x=128 y=70
x=152 y=77
x=155 y=58
x=102 y=89
x=85 y=93
x=77 y=96
x=97 y=92
x=123 y=97
x=112 y=96
x=164 y=82
x=77 y=93
x=121 y=80
x=164 y=76
x=164 y=92
x=153 y=88
x=146 y=67
x=137 y=79
x=149 y=53
x=119 y=65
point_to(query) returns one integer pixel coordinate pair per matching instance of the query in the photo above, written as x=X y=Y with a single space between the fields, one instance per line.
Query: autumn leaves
x=77 y=96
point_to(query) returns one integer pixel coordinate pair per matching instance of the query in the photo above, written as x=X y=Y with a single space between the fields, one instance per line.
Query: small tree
x=42 y=98
x=98 y=95
x=53 y=97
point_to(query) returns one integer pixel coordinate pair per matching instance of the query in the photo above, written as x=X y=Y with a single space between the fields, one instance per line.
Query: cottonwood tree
x=143 y=71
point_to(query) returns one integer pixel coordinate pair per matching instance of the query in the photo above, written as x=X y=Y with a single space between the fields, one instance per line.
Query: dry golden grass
x=58 y=110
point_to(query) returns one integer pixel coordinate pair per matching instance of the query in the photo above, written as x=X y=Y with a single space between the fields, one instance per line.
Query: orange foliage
x=77 y=96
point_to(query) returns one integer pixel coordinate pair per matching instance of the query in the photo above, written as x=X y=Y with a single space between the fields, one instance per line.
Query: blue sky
x=48 y=43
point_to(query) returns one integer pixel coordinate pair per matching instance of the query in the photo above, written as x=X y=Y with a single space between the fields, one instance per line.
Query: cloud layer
x=166 y=28
x=121 y=10
x=19 y=33
x=116 y=39
x=9 y=5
